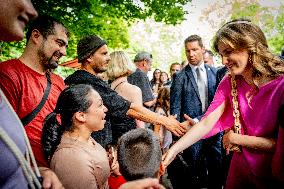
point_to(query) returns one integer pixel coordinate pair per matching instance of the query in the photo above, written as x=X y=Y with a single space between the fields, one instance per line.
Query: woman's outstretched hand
x=168 y=157
x=174 y=126
x=189 y=122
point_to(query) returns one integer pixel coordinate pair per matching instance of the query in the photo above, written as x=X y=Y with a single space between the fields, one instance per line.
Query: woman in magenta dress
x=260 y=97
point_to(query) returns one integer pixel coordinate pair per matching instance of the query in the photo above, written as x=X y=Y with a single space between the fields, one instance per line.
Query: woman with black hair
x=77 y=159
x=155 y=82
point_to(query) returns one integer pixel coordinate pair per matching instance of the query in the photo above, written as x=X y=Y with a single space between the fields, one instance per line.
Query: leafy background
x=152 y=25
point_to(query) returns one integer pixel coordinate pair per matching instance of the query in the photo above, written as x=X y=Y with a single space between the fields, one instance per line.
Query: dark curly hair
x=45 y=24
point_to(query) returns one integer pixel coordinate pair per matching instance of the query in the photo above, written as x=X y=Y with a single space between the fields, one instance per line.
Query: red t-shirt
x=24 y=89
x=114 y=182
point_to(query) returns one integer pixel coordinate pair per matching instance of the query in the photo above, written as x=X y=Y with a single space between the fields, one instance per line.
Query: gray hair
x=143 y=55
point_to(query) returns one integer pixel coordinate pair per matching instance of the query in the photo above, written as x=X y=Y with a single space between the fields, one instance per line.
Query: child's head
x=139 y=155
x=163 y=99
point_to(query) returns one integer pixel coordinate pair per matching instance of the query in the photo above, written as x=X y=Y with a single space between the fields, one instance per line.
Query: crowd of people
x=125 y=131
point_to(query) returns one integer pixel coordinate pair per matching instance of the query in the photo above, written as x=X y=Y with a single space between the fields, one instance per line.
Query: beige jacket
x=80 y=165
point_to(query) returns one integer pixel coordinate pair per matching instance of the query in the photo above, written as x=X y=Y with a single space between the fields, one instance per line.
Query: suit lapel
x=210 y=82
x=189 y=74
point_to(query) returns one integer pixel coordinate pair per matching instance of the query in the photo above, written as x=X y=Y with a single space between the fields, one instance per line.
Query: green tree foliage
x=276 y=40
x=165 y=42
x=109 y=19
x=270 y=19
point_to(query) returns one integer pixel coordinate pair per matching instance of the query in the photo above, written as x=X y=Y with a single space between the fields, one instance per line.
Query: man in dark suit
x=282 y=53
x=220 y=74
x=192 y=91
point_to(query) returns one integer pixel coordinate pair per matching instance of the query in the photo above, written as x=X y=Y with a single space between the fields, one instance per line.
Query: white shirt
x=202 y=72
x=203 y=75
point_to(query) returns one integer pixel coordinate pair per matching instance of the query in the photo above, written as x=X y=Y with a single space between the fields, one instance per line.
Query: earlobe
x=80 y=116
x=89 y=59
x=35 y=35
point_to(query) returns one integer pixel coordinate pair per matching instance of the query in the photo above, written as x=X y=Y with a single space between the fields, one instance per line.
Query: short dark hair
x=173 y=64
x=139 y=154
x=209 y=52
x=193 y=38
x=45 y=25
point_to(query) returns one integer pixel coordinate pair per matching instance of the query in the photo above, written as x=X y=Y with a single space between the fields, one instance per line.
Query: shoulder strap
x=28 y=118
x=118 y=84
x=236 y=112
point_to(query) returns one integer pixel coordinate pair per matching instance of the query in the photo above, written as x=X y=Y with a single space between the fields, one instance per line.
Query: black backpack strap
x=28 y=118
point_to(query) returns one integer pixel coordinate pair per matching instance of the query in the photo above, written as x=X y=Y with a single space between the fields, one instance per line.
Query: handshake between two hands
x=177 y=128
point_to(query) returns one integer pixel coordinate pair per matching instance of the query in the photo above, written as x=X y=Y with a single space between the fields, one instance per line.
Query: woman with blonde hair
x=249 y=104
x=119 y=67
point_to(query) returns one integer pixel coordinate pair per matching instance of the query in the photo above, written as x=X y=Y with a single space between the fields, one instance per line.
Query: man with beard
x=93 y=55
x=27 y=82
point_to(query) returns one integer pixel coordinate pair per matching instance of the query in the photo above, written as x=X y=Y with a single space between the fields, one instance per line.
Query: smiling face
x=235 y=60
x=164 y=77
x=53 y=47
x=14 y=15
x=95 y=114
x=157 y=74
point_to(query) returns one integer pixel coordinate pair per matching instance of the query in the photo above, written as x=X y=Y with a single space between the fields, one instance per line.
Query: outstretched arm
x=194 y=134
x=136 y=97
x=139 y=112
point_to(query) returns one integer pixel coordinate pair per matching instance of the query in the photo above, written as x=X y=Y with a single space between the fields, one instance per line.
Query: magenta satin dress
x=261 y=115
